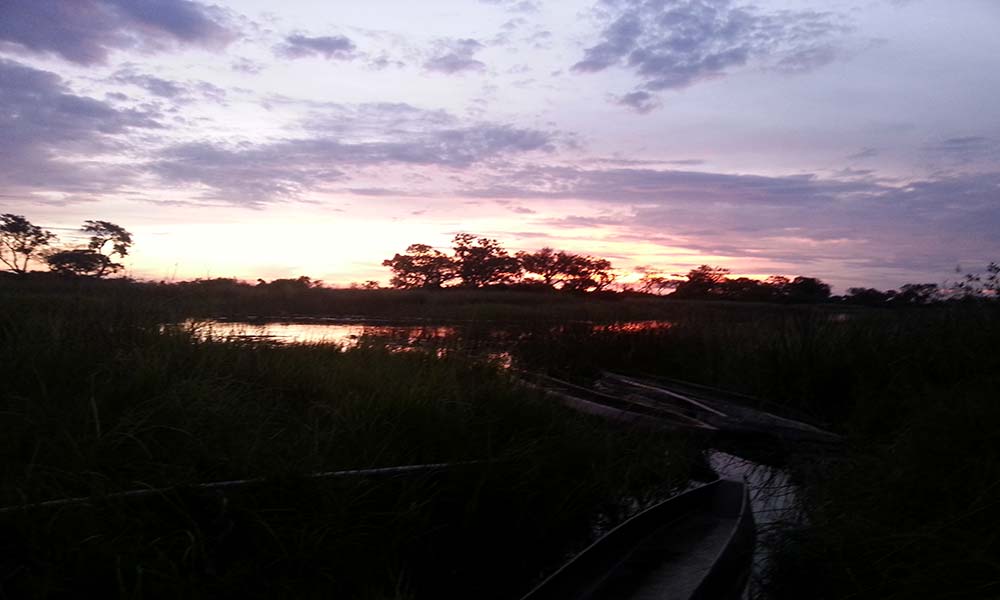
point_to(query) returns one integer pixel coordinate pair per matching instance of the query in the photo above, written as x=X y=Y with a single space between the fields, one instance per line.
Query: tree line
x=479 y=262
x=713 y=283
x=21 y=242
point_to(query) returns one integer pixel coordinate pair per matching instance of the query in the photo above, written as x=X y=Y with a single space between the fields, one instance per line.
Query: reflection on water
x=774 y=501
x=631 y=326
x=346 y=335
x=492 y=341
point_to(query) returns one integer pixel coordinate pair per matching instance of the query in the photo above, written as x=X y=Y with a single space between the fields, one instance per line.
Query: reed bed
x=100 y=397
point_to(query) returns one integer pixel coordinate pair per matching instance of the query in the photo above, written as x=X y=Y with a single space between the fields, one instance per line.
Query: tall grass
x=98 y=396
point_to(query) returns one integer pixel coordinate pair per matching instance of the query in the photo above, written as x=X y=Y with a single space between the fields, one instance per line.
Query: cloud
x=175 y=91
x=635 y=185
x=342 y=139
x=640 y=101
x=964 y=150
x=51 y=137
x=456 y=56
x=808 y=58
x=86 y=31
x=515 y=6
x=329 y=47
x=245 y=65
x=672 y=44
x=923 y=225
x=866 y=152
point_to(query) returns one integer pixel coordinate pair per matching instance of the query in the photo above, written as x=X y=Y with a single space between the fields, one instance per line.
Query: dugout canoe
x=697 y=545
x=629 y=409
x=730 y=413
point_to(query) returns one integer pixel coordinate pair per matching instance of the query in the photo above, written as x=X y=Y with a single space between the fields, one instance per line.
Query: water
x=494 y=338
x=344 y=334
x=774 y=499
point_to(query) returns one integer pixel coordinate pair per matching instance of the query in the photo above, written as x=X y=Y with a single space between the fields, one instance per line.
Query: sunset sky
x=853 y=140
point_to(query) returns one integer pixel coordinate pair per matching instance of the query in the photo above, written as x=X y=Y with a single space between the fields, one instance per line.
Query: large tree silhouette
x=806 y=290
x=421 y=267
x=546 y=263
x=107 y=241
x=80 y=261
x=20 y=240
x=481 y=261
x=567 y=270
x=702 y=282
x=586 y=273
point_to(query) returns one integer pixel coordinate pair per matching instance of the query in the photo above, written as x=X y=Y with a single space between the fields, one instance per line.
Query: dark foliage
x=20 y=241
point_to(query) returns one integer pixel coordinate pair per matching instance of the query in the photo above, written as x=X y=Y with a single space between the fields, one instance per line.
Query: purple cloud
x=864 y=153
x=964 y=150
x=245 y=65
x=456 y=56
x=329 y=47
x=389 y=134
x=672 y=44
x=175 y=91
x=640 y=101
x=927 y=224
x=86 y=31
x=42 y=122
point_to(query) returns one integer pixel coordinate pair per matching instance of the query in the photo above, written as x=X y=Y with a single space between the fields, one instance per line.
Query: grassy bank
x=98 y=397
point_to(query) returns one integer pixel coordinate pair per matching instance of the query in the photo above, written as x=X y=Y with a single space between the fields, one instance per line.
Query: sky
x=857 y=141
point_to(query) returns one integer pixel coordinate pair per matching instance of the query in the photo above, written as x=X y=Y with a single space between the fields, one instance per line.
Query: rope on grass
x=215 y=485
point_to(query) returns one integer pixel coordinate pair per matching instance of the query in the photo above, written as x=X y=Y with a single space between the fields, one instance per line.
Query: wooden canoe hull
x=696 y=545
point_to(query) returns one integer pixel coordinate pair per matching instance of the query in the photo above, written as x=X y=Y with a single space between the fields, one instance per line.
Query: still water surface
x=348 y=334
x=345 y=334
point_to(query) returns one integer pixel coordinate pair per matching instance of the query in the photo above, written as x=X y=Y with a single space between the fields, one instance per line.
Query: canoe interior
x=696 y=545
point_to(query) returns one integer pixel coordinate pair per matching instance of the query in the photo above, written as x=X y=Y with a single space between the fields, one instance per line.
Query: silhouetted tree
x=654 y=282
x=107 y=240
x=916 y=293
x=868 y=296
x=290 y=284
x=20 y=240
x=744 y=288
x=421 y=267
x=81 y=262
x=981 y=285
x=546 y=263
x=806 y=290
x=702 y=282
x=586 y=273
x=482 y=261
x=572 y=272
